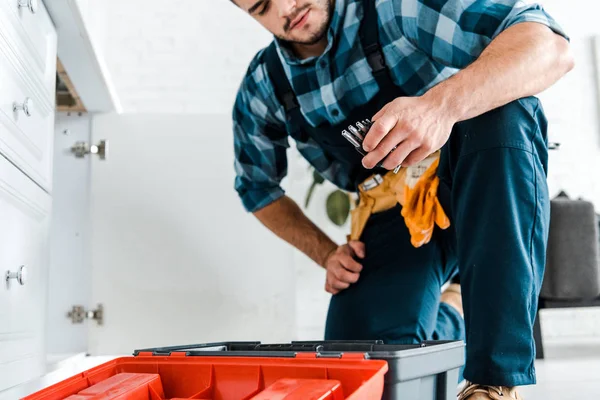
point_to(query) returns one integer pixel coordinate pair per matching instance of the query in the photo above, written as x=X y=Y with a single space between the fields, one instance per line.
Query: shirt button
x=335 y=112
x=323 y=63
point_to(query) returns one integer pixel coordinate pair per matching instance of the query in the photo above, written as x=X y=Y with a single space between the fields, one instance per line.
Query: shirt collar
x=335 y=25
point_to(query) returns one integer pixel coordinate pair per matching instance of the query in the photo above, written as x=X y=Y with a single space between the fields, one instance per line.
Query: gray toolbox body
x=426 y=371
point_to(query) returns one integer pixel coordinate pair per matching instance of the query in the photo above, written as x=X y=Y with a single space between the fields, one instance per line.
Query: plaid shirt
x=424 y=42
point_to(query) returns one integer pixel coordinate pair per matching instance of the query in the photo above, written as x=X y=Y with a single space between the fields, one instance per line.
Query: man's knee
x=519 y=125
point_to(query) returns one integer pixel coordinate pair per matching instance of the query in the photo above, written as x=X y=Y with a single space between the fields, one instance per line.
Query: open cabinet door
x=175 y=258
x=69 y=282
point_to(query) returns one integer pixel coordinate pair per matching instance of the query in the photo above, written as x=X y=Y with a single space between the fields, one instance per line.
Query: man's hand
x=342 y=268
x=417 y=125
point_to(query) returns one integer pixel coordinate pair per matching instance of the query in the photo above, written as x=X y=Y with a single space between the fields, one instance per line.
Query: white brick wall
x=179 y=55
x=188 y=56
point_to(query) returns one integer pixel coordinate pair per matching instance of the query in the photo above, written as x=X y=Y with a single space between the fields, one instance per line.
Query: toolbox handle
x=191 y=347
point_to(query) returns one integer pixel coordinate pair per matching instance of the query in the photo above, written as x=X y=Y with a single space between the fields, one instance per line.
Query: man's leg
x=450 y=320
x=397 y=297
x=496 y=167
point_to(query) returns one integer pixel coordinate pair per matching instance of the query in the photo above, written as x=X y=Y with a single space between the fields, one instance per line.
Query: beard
x=320 y=31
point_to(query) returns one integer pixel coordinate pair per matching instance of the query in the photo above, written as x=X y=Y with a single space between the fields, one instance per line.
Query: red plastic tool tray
x=148 y=377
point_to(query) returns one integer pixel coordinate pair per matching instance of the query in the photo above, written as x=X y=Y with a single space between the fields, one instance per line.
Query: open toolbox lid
x=372 y=349
x=150 y=375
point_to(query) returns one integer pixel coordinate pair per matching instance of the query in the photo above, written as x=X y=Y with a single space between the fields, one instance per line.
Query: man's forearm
x=284 y=218
x=522 y=61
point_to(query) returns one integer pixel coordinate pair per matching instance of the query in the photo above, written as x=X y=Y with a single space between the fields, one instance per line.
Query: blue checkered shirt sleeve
x=260 y=141
x=455 y=32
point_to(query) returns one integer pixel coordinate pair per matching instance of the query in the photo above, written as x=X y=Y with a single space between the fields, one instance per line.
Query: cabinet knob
x=20 y=275
x=25 y=106
x=32 y=5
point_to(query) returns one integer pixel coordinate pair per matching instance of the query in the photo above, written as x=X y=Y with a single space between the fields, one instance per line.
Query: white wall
x=188 y=56
x=572 y=106
x=179 y=55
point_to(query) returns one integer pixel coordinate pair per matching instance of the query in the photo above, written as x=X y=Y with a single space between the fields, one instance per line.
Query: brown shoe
x=473 y=391
x=452 y=296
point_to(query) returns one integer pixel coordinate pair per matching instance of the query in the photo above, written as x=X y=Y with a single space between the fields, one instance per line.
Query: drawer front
x=24 y=212
x=31 y=35
x=26 y=136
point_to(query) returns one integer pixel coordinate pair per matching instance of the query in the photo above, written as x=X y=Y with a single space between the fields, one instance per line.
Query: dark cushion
x=573 y=259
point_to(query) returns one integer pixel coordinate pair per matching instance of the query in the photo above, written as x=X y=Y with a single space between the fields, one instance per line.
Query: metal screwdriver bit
x=356 y=133
x=350 y=138
x=362 y=128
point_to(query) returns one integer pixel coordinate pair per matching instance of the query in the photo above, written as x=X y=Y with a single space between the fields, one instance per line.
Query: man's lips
x=299 y=20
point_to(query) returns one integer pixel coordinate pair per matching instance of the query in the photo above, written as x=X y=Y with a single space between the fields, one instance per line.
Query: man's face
x=301 y=21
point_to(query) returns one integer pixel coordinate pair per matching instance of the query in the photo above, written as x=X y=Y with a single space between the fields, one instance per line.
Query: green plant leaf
x=338 y=207
x=318 y=178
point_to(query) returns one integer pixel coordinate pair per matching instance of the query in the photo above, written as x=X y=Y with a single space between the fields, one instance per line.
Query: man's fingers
x=357 y=247
x=379 y=130
x=349 y=263
x=343 y=270
x=339 y=285
x=343 y=275
x=330 y=289
x=398 y=156
x=385 y=147
x=416 y=155
x=380 y=113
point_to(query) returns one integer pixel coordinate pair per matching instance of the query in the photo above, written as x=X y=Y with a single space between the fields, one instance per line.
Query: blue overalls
x=493 y=187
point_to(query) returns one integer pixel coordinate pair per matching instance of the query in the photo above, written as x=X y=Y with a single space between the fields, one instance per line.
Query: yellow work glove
x=422 y=209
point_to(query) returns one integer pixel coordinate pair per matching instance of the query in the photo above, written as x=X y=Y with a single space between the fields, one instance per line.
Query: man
x=449 y=75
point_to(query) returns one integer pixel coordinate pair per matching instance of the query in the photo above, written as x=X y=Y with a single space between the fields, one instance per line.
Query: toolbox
x=315 y=370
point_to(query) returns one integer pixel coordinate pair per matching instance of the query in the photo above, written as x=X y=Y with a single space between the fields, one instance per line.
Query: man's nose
x=285 y=7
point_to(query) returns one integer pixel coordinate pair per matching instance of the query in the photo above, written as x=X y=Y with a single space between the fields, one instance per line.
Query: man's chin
x=306 y=41
x=316 y=38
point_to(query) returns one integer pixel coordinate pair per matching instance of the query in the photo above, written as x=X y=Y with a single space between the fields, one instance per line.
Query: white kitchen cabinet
x=32 y=32
x=27 y=79
x=27 y=94
x=24 y=212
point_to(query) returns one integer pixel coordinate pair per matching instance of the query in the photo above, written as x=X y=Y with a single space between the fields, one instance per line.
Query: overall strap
x=281 y=85
x=369 y=38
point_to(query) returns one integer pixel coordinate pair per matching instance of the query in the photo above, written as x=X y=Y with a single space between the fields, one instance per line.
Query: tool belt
x=415 y=189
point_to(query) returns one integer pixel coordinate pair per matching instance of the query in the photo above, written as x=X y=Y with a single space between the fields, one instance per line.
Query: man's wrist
x=446 y=98
x=327 y=253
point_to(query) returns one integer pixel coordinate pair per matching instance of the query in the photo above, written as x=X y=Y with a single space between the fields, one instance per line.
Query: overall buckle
x=372 y=182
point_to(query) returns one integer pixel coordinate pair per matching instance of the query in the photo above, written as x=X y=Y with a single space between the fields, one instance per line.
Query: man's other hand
x=342 y=268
